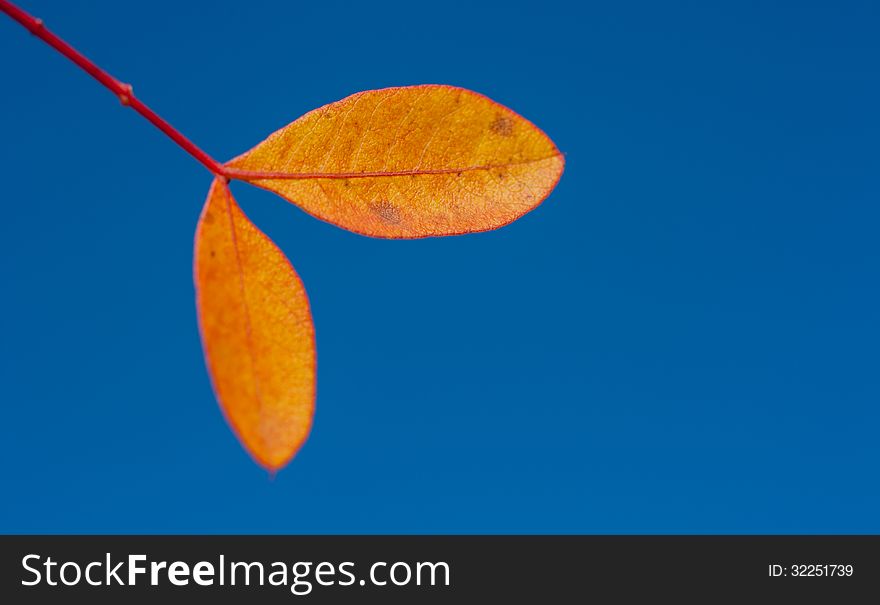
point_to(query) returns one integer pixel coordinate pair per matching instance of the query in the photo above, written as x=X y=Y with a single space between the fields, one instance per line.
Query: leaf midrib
x=256 y=175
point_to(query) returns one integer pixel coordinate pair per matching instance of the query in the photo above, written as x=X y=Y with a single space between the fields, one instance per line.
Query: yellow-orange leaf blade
x=408 y=162
x=256 y=331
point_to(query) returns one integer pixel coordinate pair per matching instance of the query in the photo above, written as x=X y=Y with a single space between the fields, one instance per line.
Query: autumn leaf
x=408 y=162
x=401 y=162
x=256 y=330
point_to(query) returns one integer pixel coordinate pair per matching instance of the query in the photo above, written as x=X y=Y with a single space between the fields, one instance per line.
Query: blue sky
x=683 y=338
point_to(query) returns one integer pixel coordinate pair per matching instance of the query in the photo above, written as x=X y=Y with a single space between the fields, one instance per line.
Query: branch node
x=126 y=95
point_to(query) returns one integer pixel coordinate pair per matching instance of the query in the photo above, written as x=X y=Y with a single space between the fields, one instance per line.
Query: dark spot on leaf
x=213 y=254
x=346 y=183
x=502 y=125
x=500 y=175
x=457 y=174
x=209 y=218
x=386 y=211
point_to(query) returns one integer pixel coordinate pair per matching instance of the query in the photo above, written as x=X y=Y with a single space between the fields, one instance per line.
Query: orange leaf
x=256 y=331
x=408 y=162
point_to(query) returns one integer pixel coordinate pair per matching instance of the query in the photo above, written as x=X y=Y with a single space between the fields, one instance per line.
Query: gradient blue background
x=683 y=338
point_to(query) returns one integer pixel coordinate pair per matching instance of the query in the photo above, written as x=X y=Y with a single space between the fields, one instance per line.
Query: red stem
x=121 y=90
